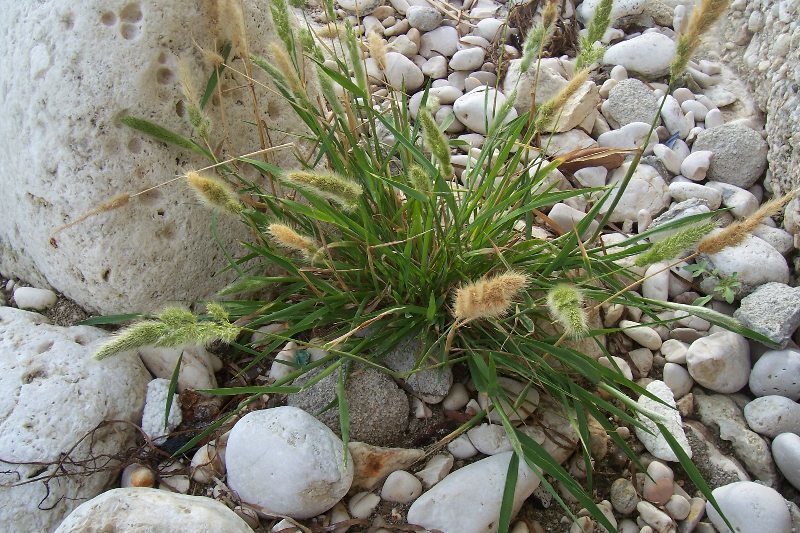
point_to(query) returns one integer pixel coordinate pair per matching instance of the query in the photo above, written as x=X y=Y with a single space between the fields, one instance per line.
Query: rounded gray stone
x=378 y=408
x=777 y=372
x=740 y=154
x=786 y=452
x=750 y=506
x=630 y=101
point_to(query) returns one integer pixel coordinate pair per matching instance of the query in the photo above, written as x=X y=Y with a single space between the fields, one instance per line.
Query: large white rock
x=773 y=415
x=620 y=8
x=79 y=67
x=646 y=190
x=720 y=361
x=54 y=394
x=750 y=507
x=402 y=73
x=468 y=500
x=288 y=462
x=654 y=441
x=648 y=54
x=139 y=509
x=477 y=109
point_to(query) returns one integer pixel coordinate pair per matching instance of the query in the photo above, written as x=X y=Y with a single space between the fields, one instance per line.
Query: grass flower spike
x=342 y=191
x=286 y=237
x=436 y=142
x=565 y=302
x=377 y=48
x=215 y=192
x=174 y=326
x=704 y=15
x=549 y=110
x=739 y=230
x=589 y=53
x=539 y=36
x=673 y=246
x=488 y=297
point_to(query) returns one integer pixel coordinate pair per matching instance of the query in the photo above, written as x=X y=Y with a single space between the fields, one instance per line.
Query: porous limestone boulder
x=54 y=394
x=78 y=68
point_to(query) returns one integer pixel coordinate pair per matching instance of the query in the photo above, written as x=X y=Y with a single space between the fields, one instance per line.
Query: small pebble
x=33 y=298
x=401 y=487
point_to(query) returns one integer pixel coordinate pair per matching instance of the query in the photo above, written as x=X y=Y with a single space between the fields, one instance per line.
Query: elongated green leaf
x=507 y=505
x=108 y=320
x=164 y=135
x=173 y=385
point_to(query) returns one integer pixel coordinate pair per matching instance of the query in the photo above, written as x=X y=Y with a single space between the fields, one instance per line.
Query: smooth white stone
x=696 y=164
x=33 y=298
x=629 y=137
x=777 y=372
x=643 y=335
x=145 y=509
x=682 y=94
x=279 y=370
x=642 y=359
x=477 y=108
x=714 y=118
x=490 y=29
x=748 y=505
x=649 y=54
x=674 y=351
x=678 y=379
x=720 y=361
x=741 y=201
x=568 y=218
x=362 y=504
x=654 y=441
x=786 y=452
x=646 y=190
x=468 y=59
x=617 y=364
x=435 y=470
x=693 y=106
x=462 y=448
x=442 y=40
x=423 y=18
x=401 y=487
x=207 y=463
x=671 y=159
x=773 y=415
x=360 y=7
x=468 y=500
x=401 y=72
x=656 y=282
x=288 y=462
x=674 y=119
x=435 y=67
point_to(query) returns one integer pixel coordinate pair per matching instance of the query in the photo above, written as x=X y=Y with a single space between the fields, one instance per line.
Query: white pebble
x=457 y=397
x=33 y=298
x=462 y=448
x=435 y=470
x=401 y=487
x=696 y=164
x=643 y=335
x=362 y=505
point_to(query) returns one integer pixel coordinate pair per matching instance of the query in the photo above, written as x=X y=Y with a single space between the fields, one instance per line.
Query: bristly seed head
x=436 y=142
x=286 y=237
x=489 y=297
x=675 y=245
x=215 y=192
x=342 y=191
x=704 y=15
x=565 y=302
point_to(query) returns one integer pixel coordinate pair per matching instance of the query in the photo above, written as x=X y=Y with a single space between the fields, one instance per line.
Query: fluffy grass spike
x=675 y=245
x=589 y=52
x=419 y=179
x=489 y=297
x=436 y=142
x=565 y=302
x=342 y=191
x=539 y=36
x=739 y=230
x=548 y=110
x=215 y=193
x=280 y=18
x=286 y=237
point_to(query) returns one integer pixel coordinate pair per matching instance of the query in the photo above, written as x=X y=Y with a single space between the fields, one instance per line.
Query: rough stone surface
x=648 y=54
x=378 y=408
x=772 y=310
x=468 y=500
x=630 y=101
x=758 y=38
x=288 y=462
x=717 y=468
x=773 y=415
x=139 y=509
x=63 y=143
x=44 y=371
x=430 y=385
x=740 y=154
x=720 y=413
x=646 y=190
x=371 y=464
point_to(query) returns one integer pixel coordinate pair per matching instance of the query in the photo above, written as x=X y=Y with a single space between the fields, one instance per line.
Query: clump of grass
x=410 y=249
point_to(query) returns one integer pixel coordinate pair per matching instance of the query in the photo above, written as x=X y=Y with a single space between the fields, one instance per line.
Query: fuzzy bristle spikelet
x=565 y=302
x=590 y=53
x=377 y=48
x=489 y=297
x=280 y=18
x=197 y=118
x=231 y=18
x=738 y=231
x=675 y=245
x=547 y=111
x=539 y=36
x=215 y=192
x=174 y=326
x=419 y=179
x=704 y=15
x=284 y=64
x=436 y=142
x=342 y=191
x=288 y=238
